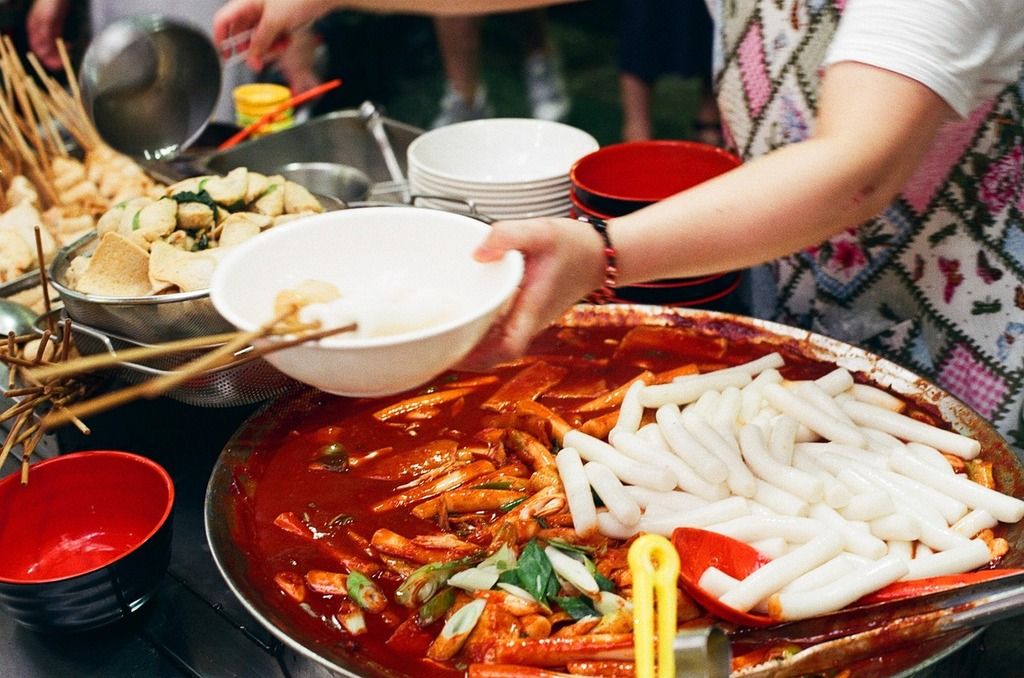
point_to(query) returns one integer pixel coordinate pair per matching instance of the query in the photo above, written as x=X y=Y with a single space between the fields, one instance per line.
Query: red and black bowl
x=622 y=178
x=700 y=292
x=86 y=541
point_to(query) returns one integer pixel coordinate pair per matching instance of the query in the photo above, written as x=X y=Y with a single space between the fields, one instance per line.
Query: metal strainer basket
x=145 y=320
x=228 y=386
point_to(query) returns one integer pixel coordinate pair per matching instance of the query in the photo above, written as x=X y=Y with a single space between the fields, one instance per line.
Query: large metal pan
x=223 y=510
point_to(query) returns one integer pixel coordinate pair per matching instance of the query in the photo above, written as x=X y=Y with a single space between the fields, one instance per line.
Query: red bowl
x=582 y=210
x=86 y=541
x=622 y=178
x=687 y=292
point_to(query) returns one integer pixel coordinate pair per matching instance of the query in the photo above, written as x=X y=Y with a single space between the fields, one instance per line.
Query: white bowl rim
x=433 y=135
x=507 y=206
x=430 y=187
x=538 y=184
x=513 y=258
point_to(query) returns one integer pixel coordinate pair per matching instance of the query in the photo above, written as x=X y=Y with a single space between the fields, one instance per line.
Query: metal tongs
x=860 y=633
x=371 y=118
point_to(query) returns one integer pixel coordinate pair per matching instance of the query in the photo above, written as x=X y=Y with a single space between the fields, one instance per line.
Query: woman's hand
x=271 y=22
x=564 y=262
x=44 y=25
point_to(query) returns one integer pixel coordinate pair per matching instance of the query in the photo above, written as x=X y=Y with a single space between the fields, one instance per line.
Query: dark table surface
x=194 y=625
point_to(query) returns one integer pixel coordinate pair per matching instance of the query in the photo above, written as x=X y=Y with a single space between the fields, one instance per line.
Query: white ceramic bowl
x=422 y=184
x=500 y=213
x=500 y=150
x=348 y=248
x=494 y=190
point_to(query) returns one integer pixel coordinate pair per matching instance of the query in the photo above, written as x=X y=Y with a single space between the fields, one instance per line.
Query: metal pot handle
x=470 y=210
x=109 y=347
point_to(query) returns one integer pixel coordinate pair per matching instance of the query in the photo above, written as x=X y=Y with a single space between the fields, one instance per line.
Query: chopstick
x=216 y=358
x=296 y=100
x=105 y=360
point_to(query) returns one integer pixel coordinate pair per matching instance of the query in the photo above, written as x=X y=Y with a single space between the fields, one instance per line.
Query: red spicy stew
x=335 y=491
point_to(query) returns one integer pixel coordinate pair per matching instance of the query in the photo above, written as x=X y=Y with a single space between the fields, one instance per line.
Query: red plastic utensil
x=920 y=587
x=296 y=100
x=701 y=549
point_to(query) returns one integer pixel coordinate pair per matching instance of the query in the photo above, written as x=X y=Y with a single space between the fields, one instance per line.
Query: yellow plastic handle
x=654 y=564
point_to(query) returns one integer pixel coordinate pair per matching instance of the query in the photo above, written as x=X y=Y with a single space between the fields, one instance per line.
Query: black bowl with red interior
x=616 y=180
x=86 y=541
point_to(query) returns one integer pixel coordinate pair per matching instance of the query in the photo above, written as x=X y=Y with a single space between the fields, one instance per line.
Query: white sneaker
x=454 y=108
x=545 y=88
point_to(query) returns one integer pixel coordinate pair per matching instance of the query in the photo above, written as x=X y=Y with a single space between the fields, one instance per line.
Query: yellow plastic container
x=255 y=100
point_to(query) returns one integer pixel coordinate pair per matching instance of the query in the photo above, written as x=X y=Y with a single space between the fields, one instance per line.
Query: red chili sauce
x=279 y=478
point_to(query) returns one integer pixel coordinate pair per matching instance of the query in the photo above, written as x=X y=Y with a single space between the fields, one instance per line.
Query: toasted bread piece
x=118 y=268
x=188 y=271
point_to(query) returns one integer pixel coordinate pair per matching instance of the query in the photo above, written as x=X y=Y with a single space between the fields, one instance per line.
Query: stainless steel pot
x=241 y=457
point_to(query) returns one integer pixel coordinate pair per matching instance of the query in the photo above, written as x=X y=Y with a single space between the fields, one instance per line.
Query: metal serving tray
x=340 y=137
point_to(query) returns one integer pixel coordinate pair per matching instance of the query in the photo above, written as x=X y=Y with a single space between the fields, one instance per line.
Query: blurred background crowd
x=619 y=69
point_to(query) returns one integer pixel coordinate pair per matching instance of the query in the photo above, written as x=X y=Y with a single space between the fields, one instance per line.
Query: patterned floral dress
x=935 y=282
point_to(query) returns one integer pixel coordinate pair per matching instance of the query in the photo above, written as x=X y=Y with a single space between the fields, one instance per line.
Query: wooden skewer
x=65 y=341
x=43 y=280
x=160 y=385
x=28 y=404
x=78 y=423
x=11 y=348
x=25 y=435
x=9 y=443
x=76 y=94
x=21 y=339
x=19 y=77
x=27 y=451
x=60 y=105
x=216 y=357
x=41 y=350
x=24 y=362
x=47 y=121
x=19 y=392
x=316 y=335
x=105 y=360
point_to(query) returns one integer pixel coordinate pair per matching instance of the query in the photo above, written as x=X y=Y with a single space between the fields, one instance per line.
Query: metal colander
x=227 y=386
x=145 y=320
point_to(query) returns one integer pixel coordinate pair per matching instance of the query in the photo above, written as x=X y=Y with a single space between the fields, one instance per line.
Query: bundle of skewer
x=35 y=397
x=32 y=114
x=52 y=383
x=232 y=350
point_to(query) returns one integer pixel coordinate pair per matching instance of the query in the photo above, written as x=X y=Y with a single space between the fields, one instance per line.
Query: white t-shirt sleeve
x=965 y=51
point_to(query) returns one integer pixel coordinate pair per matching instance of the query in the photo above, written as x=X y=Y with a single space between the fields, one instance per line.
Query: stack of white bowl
x=506 y=168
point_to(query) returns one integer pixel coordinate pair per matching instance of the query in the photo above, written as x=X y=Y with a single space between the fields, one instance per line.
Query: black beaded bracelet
x=606 y=292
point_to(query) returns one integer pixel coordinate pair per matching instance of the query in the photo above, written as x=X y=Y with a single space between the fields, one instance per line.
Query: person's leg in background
x=659 y=37
x=697 y=32
x=638 y=69
x=465 y=96
x=545 y=83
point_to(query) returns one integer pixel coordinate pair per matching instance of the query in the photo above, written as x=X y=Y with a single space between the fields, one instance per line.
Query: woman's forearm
x=794 y=197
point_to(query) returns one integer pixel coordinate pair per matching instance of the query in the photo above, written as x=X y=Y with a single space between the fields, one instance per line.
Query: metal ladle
x=150 y=85
x=15 y=317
